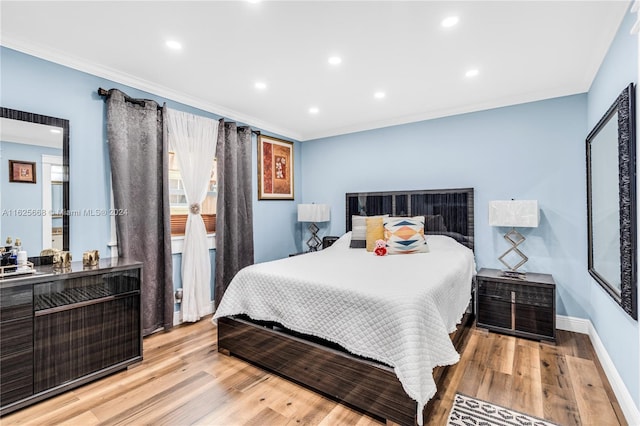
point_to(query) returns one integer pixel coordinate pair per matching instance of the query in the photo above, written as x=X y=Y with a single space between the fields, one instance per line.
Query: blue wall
x=43 y=87
x=617 y=330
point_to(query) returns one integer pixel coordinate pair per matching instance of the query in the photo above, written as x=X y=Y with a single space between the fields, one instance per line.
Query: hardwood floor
x=183 y=380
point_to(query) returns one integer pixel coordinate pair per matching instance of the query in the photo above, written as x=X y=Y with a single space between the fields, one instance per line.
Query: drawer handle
x=513 y=310
x=85 y=303
x=494 y=297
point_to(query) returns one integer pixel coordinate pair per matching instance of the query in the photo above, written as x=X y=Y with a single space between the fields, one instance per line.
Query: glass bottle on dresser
x=9 y=255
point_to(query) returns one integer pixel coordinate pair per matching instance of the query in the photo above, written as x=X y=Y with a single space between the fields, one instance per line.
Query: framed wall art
x=22 y=171
x=275 y=169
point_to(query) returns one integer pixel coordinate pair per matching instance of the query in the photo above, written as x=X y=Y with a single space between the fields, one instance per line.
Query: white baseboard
x=177 y=315
x=584 y=326
x=576 y=325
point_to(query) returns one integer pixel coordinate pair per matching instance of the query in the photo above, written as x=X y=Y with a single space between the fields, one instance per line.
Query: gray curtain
x=234 y=221
x=139 y=165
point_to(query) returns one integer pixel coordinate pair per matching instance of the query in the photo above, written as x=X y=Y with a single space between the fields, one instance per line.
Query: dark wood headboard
x=446 y=211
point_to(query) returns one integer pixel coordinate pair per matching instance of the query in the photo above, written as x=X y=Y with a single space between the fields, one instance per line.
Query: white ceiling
x=524 y=51
x=25 y=132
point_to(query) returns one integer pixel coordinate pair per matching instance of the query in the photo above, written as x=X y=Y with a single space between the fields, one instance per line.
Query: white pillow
x=359 y=230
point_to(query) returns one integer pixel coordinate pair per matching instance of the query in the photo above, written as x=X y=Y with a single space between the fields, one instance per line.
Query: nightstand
x=328 y=241
x=520 y=307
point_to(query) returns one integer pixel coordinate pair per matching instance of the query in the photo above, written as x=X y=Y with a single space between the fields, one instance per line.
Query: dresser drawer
x=16 y=376
x=524 y=294
x=535 y=320
x=494 y=311
x=16 y=336
x=16 y=302
x=16 y=359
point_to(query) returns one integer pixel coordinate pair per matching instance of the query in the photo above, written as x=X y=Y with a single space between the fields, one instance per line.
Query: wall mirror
x=611 y=202
x=34 y=180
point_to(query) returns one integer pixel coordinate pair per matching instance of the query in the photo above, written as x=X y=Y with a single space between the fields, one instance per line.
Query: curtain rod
x=141 y=102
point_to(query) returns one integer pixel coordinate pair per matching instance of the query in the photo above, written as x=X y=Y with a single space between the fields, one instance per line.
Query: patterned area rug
x=469 y=411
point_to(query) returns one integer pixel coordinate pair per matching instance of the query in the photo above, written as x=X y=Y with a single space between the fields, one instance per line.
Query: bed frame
x=324 y=367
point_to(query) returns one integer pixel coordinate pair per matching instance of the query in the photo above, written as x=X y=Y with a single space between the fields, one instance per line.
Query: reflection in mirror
x=605 y=204
x=611 y=205
x=34 y=211
x=56 y=207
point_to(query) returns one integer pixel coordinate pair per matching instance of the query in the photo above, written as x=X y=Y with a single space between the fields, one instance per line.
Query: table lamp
x=313 y=213
x=514 y=214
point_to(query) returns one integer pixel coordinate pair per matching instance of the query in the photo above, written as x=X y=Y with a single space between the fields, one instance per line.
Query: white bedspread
x=397 y=309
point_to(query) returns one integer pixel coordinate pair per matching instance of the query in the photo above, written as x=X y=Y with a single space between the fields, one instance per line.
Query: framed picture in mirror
x=22 y=171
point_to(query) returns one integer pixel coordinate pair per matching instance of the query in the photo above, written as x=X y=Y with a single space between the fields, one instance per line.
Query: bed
x=362 y=329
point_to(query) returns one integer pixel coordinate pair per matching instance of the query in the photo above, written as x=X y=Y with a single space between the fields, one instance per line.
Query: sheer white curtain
x=193 y=139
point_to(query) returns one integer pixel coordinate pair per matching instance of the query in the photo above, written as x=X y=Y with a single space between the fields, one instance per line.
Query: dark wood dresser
x=59 y=330
x=520 y=307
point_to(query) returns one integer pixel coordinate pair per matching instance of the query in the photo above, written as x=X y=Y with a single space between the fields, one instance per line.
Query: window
x=178 y=199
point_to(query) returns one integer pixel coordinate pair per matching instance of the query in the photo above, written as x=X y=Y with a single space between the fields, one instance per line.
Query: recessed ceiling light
x=260 y=85
x=471 y=73
x=172 y=44
x=55 y=131
x=379 y=95
x=314 y=110
x=449 y=21
x=335 y=60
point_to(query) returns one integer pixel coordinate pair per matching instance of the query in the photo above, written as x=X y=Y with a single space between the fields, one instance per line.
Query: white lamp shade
x=515 y=213
x=313 y=213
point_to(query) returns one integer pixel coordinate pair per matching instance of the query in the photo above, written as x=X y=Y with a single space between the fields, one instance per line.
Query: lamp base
x=513 y=274
x=314 y=242
x=514 y=238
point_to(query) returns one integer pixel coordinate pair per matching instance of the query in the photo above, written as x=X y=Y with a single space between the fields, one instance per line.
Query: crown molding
x=443 y=113
x=120 y=77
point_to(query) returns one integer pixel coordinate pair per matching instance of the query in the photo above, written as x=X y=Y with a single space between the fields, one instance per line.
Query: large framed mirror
x=34 y=199
x=611 y=202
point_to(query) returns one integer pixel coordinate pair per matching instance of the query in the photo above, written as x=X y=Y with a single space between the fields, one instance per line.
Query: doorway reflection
x=53 y=175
